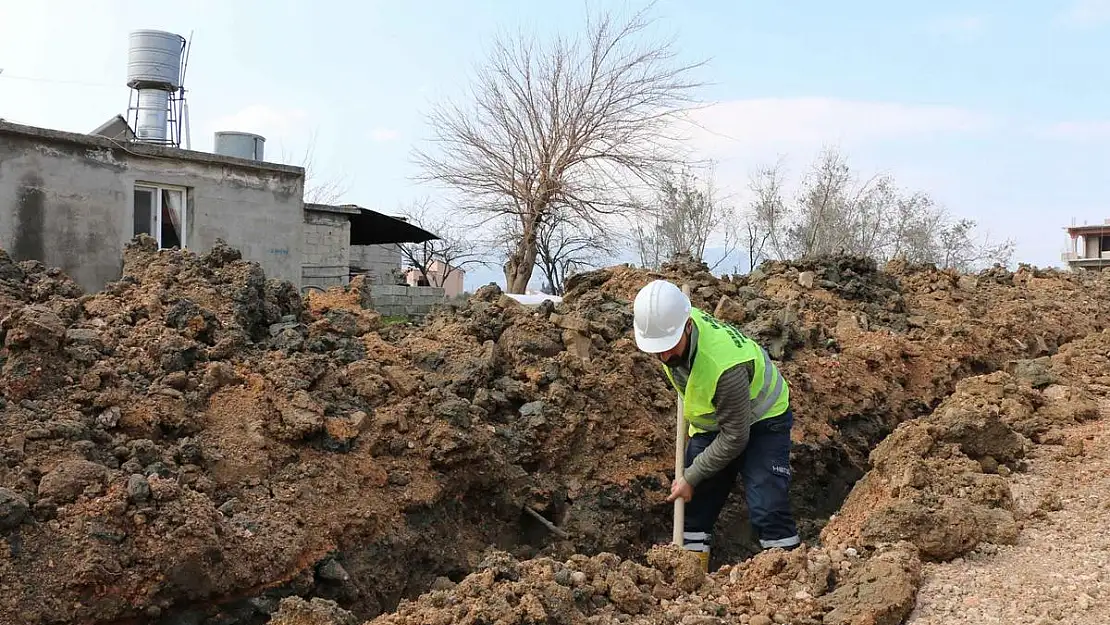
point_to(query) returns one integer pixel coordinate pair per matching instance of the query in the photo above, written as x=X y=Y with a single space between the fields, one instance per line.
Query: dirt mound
x=297 y=611
x=937 y=490
x=938 y=481
x=867 y=348
x=196 y=443
x=803 y=586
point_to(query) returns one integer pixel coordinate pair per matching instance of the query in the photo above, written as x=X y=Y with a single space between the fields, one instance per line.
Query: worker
x=737 y=408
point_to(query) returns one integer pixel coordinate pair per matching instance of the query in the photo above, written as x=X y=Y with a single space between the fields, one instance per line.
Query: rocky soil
x=963 y=518
x=1058 y=569
x=197 y=445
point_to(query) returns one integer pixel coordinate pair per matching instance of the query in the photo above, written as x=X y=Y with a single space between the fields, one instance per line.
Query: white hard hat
x=660 y=314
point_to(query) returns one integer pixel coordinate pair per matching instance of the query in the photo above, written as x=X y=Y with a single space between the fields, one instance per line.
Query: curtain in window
x=173 y=234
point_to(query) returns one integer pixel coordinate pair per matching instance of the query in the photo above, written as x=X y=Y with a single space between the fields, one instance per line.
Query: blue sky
x=1000 y=110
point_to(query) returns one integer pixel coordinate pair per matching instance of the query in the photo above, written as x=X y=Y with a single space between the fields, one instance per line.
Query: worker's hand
x=680 y=488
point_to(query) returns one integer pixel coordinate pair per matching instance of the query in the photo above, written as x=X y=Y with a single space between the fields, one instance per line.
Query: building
x=1090 y=247
x=74 y=201
x=343 y=241
x=452 y=285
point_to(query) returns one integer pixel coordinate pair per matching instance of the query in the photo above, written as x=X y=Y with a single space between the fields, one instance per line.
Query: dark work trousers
x=765 y=467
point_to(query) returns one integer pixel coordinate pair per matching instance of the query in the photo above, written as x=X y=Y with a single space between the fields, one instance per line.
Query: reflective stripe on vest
x=768 y=394
x=720 y=347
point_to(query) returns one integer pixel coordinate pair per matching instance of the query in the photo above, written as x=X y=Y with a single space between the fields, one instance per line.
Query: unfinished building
x=73 y=201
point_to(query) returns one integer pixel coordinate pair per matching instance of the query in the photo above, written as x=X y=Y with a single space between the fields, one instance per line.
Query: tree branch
x=567 y=127
x=438 y=259
x=835 y=213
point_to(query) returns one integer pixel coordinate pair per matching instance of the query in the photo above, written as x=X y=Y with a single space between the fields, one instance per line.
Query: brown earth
x=195 y=444
x=1058 y=569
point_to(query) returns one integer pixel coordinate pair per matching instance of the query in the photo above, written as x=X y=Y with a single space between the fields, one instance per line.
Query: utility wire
x=5 y=75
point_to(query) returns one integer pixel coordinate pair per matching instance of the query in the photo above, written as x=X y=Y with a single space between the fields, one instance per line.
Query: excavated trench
x=823 y=477
x=369 y=465
x=448 y=540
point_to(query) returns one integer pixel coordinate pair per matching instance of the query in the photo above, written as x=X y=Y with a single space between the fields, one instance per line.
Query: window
x=160 y=212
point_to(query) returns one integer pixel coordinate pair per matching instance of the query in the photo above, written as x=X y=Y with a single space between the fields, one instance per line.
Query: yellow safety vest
x=720 y=347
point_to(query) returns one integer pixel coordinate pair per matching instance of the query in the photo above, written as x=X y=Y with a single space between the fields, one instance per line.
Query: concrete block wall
x=326 y=249
x=405 y=301
x=323 y=277
x=378 y=261
x=326 y=238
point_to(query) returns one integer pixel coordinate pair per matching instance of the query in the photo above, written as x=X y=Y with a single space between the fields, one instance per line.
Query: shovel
x=680 y=462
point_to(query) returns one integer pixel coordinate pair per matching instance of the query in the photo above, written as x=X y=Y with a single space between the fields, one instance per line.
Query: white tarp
x=534 y=299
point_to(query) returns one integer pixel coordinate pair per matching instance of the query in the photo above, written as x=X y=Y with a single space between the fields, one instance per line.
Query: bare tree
x=765 y=214
x=568 y=126
x=437 y=259
x=564 y=247
x=564 y=250
x=917 y=228
x=838 y=213
x=835 y=212
x=960 y=250
x=685 y=215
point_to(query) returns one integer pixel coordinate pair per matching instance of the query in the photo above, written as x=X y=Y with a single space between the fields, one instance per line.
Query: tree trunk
x=522 y=260
x=518 y=269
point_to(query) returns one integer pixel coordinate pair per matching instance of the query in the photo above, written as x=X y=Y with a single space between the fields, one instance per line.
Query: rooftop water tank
x=152 y=115
x=154 y=60
x=240 y=145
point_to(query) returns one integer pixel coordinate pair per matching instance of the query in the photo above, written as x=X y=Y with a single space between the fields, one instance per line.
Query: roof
x=1103 y=228
x=47 y=135
x=373 y=228
x=116 y=128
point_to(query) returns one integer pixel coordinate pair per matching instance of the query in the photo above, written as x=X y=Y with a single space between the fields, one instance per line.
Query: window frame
x=156 y=189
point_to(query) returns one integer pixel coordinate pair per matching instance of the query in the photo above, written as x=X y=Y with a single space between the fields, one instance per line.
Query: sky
x=999 y=110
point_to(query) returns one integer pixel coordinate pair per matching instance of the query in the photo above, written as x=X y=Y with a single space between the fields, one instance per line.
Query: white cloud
x=965 y=27
x=1086 y=13
x=1076 y=131
x=773 y=125
x=382 y=135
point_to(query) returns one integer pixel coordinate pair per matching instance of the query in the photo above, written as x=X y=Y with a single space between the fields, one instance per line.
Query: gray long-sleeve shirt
x=733 y=411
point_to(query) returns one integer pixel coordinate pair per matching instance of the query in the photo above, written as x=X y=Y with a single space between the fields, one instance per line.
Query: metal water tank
x=154 y=60
x=240 y=145
x=152 y=108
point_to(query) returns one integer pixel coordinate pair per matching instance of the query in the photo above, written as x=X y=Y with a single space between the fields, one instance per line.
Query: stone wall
x=405 y=301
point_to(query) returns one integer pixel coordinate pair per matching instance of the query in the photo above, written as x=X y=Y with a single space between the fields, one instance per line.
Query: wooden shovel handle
x=679 y=462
